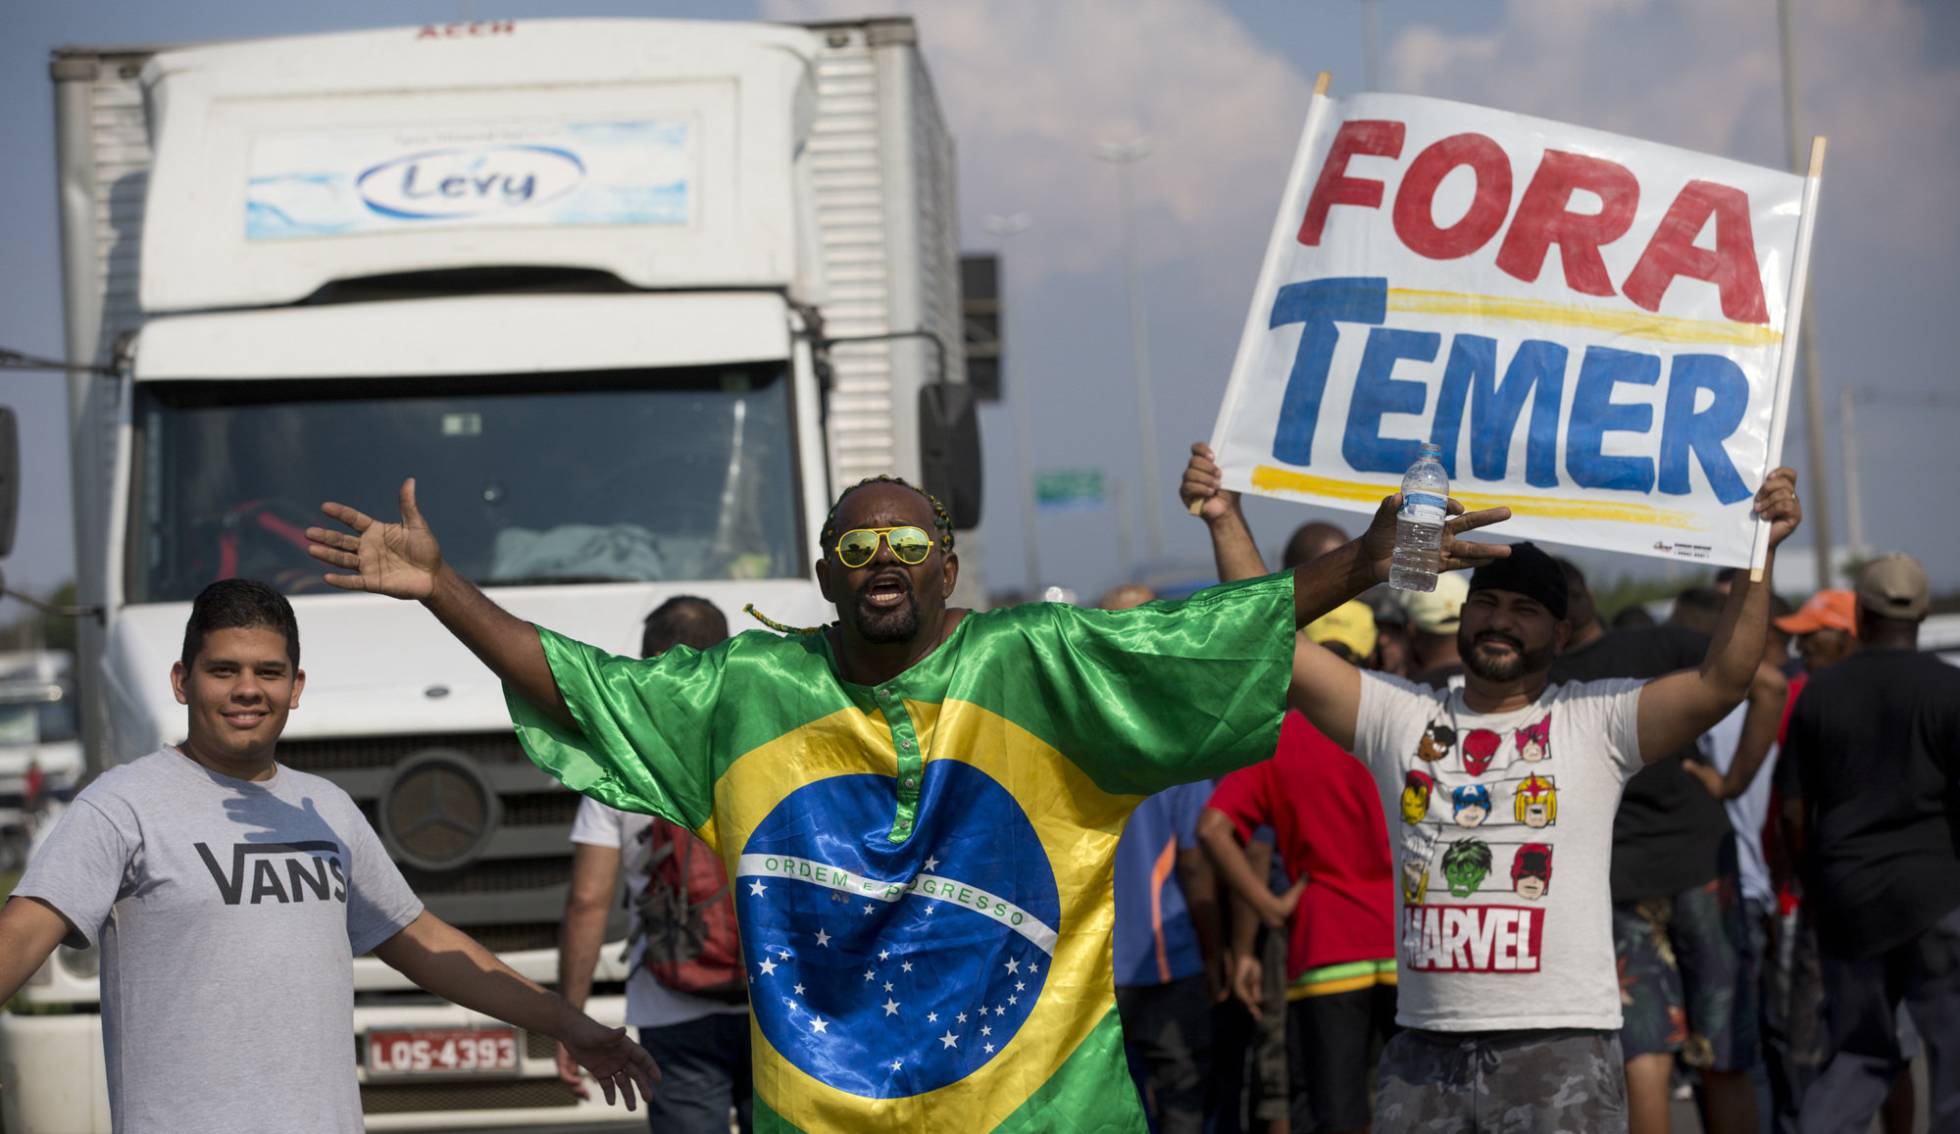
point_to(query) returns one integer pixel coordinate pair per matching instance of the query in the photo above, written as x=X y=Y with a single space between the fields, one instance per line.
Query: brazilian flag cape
x=922 y=869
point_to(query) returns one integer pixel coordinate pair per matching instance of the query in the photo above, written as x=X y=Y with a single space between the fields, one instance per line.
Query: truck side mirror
x=9 y=479
x=949 y=449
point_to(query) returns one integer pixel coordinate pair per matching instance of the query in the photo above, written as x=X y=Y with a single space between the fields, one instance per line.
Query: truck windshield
x=654 y=475
x=41 y=720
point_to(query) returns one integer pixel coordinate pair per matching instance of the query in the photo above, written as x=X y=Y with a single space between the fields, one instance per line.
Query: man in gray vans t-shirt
x=230 y=896
x=230 y=912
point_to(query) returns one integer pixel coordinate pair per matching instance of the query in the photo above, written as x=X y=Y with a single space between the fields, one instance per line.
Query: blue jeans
x=704 y=1072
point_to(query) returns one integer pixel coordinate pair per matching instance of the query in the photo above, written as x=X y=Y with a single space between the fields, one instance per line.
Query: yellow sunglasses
x=910 y=545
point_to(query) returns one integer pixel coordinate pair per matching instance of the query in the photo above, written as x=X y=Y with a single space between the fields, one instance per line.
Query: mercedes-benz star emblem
x=438 y=811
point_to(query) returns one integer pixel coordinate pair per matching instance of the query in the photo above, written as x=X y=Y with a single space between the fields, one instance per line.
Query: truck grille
x=509 y=891
x=413 y=1098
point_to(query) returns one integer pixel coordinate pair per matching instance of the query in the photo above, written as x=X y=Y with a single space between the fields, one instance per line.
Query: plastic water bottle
x=1419 y=527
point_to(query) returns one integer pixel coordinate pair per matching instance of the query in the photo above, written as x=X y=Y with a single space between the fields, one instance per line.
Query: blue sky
x=1031 y=87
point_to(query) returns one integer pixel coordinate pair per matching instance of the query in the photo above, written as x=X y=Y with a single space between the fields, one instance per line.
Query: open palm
x=398 y=560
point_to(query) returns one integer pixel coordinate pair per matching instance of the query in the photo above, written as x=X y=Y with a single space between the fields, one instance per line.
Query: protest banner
x=1598 y=331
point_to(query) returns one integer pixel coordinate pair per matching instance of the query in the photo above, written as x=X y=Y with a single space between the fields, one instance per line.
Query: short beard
x=1521 y=662
x=885 y=627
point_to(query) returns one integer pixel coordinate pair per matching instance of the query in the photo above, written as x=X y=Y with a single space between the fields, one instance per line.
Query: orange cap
x=1825 y=610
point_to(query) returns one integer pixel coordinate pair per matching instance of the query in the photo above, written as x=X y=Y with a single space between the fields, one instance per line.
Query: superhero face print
x=1531 y=870
x=1415 y=797
x=1472 y=803
x=1465 y=866
x=1536 y=803
x=1534 y=743
x=1479 y=747
x=1436 y=742
x=1415 y=879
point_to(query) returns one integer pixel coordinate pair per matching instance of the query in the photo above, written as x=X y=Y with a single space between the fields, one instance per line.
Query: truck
x=40 y=746
x=632 y=298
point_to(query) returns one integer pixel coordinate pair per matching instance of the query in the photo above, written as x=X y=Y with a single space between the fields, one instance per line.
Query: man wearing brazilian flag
x=919 y=807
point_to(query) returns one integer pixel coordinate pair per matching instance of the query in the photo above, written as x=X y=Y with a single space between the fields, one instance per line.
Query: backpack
x=686 y=917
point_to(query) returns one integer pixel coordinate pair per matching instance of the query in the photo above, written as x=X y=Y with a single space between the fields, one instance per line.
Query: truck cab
x=630 y=299
x=40 y=747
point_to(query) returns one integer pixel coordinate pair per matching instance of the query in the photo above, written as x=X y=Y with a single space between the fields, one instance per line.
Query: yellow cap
x=1351 y=624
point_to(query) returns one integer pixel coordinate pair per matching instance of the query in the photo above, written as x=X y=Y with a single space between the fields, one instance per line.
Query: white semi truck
x=631 y=298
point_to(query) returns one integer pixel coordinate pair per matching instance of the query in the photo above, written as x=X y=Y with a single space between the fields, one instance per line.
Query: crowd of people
x=1297 y=853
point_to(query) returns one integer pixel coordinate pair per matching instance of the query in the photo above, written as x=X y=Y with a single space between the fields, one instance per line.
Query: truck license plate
x=441 y=1051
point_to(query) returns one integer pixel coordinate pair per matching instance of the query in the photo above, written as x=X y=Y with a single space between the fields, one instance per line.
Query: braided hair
x=941 y=520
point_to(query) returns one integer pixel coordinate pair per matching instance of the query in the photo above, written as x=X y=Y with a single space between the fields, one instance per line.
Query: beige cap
x=1438 y=611
x=1895 y=586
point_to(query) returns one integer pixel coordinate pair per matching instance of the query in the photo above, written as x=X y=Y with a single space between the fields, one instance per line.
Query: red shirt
x=1326 y=817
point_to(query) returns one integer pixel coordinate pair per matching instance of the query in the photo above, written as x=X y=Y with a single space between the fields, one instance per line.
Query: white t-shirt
x=1748 y=811
x=1502 y=826
x=649 y=1004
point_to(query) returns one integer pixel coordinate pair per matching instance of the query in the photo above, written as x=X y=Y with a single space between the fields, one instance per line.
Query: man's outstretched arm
x=1679 y=707
x=448 y=962
x=29 y=931
x=404 y=561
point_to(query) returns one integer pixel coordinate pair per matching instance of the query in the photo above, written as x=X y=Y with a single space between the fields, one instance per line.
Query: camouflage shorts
x=1525 y=1082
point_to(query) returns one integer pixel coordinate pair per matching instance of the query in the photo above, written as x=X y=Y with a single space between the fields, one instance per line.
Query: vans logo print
x=306 y=871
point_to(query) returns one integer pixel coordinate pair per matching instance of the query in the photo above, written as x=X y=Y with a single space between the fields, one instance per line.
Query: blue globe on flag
x=886 y=969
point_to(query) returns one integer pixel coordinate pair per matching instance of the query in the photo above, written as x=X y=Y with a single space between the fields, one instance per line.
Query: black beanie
x=1527 y=571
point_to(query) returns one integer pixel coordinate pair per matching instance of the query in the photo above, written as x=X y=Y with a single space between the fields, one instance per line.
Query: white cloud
x=1031 y=87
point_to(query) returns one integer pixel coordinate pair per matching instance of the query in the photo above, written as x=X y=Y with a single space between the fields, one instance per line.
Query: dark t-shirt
x=1670 y=834
x=1874 y=752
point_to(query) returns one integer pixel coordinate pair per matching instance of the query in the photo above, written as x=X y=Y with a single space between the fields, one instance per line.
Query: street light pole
x=1004 y=228
x=1126 y=155
x=1854 y=524
x=1817 y=503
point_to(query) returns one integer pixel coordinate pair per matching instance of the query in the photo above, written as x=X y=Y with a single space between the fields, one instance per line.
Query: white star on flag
x=897 y=1063
x=768 y=967
x=1013 y=966
x=782 y=952
x=1013 y=1000
x=932 y=863
x=1020 y=986
x=905 y=966
x=757 y=888
x=888 y=986
x=1033 y=967
x=986 y=1029
x=932 y=1017
x=799 y=990
x=869 y=976
x=884 y=954
x=999 y=1011
x=789 y=1003
x=818 y=1024
x=868 y=907
x=962 y=1017
x=931 y=908
x=891 y=1007
x=949 y=1039
x=990 y=1049
x=823 y=938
